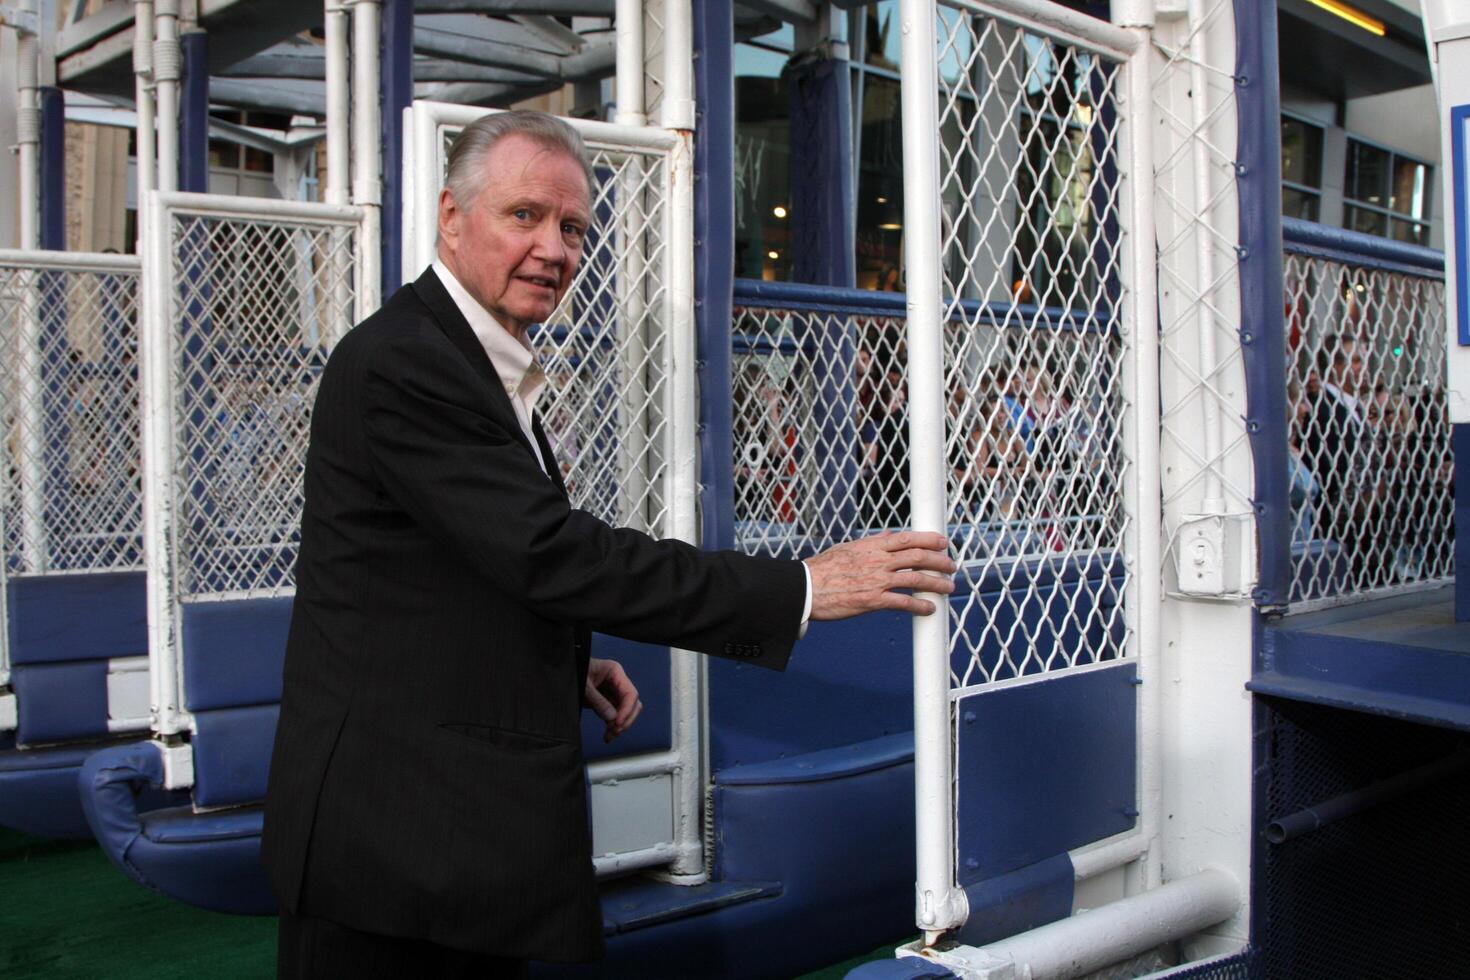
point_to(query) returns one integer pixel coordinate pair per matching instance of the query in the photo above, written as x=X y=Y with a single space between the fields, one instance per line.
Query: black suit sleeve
x=445 y=454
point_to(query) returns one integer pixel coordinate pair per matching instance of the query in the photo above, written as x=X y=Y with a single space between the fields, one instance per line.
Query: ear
x=449 y=215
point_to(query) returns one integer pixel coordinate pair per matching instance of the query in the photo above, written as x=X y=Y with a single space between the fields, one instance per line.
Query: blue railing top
x=867 y=302
x=1356 y=248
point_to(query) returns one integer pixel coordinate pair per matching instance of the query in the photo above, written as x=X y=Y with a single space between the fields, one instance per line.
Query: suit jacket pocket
x=505 y=738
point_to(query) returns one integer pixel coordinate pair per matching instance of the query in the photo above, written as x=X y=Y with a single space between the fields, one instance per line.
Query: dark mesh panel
x=1242 y=966
x=1379 y=894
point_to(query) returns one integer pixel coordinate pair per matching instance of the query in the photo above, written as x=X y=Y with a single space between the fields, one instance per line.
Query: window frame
x=1306 y=189
x=1390 y=215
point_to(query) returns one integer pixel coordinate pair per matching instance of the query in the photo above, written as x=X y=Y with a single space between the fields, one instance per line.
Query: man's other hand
x=611 y=694
x=861 y=576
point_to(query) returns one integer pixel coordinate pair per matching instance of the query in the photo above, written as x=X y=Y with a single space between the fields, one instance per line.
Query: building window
x=763 y=158
x=1386 y=193
x=1301 y=169
x=878 y=132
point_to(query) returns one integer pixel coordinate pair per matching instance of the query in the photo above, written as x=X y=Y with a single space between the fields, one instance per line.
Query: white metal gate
x=620 y=413
x=245 y=298
x=70 y=496
x=1032 y=370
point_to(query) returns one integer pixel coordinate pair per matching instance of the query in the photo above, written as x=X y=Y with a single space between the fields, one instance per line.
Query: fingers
x=604 y=708
x=933 y=561
x=905 y=540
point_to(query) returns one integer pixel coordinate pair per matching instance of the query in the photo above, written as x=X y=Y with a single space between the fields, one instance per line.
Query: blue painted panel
x=648 y=667
x=234 y=651
x=58 y=702
x=1021 y=900
x=1043 y=767
x=1404 y=657
x=852 y=681
x=194 y=113
x=77 y=617
x=1459 y=115
x=714 y=264
x=232 y=754
x=53 y=168
x=1259 y=260
x=1461 y=447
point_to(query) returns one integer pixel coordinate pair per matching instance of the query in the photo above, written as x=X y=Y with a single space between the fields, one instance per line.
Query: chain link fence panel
x=255 y=305
x=1031 y=255
x=69 y=391
x=1370 y=457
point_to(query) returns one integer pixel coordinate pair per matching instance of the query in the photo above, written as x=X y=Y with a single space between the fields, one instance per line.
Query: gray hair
x=465 y=176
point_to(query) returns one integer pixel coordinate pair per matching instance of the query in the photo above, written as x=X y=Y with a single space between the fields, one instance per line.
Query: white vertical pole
x=1142 y=503
x=28 y=133
x=155 y=402
x=367 y=174
x=167 y=69
x=939 y=905
x=339 y=105
x=629 y=26
x=339 y=314
x=143 y=103
x=688 y=670
x=29 y=415
x=1204 y=242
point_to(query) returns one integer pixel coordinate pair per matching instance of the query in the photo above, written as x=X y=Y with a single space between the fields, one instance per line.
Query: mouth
x=544 y=282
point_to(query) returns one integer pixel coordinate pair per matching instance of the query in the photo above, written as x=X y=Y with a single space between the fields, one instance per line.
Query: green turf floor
x=66 y=912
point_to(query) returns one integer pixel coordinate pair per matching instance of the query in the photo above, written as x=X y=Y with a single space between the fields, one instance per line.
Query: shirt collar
x=514 y=360
x=1350 y=402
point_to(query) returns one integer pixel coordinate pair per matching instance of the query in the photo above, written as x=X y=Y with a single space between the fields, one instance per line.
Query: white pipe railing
x=1142 y=501
x=339 y=103
x=1213 y=500
x=144 y=136
x=629 y=26
x=1103 y=936
x=155 y=345
x=28 y=393
x=168 y=60
x=367 y=171
x=939 y=904
x=677 y=103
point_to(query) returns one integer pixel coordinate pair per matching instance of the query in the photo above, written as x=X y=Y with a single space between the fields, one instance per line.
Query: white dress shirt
x=515 y=364
x=514 y=360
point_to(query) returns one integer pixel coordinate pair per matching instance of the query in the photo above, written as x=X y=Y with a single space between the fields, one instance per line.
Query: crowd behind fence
x=1368 y=445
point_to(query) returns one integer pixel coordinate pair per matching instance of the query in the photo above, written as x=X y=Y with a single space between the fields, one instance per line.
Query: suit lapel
x=433 y=294
x=553 y=467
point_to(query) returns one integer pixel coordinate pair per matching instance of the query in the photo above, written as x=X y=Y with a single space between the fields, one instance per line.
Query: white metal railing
x=1028 y=235
x=245 y=298
x=620 y=408
x=1368 y=444
x=70 y=494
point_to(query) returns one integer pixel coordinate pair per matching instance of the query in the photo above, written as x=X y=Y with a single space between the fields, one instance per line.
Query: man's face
x=516 y=246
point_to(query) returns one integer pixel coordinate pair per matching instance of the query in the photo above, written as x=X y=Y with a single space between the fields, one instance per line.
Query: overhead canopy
x=264 y=54
x=1317 y=46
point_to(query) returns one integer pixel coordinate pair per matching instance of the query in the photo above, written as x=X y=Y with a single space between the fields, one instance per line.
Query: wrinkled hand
x=611 y=694
x=861 y=576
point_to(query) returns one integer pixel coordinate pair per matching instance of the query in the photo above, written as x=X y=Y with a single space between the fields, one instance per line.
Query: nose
x=548 y=245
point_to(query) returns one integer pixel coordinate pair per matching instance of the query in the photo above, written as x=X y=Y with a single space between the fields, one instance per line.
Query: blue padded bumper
x=210 y=860
x=38 y=791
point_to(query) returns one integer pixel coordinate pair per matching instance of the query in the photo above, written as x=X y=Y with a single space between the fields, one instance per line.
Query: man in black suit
x=427 y=811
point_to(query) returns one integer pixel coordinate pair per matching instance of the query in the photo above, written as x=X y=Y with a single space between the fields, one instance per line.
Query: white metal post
x=939 y=905
x=629 y=26
x=155 y=387
x=1141 y=494
x=29 y=415
x=28 y=131
x=143 y=103
x=339 y=125
x=168 y=60
x=367 y=175
x=689 y=670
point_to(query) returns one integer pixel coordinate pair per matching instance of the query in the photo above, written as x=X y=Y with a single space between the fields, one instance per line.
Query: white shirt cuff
x=806 y=607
